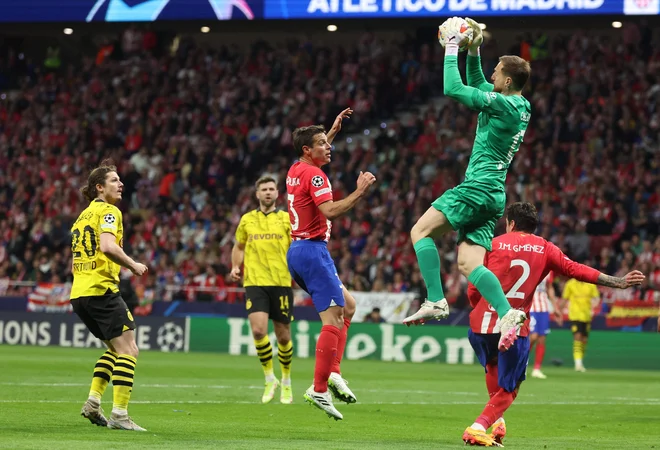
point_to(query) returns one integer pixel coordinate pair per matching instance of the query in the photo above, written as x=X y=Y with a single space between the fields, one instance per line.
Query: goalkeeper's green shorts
x=473 y=211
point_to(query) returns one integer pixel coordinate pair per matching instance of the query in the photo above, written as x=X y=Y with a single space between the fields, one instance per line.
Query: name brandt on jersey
x=522 y=248
x=258 y=236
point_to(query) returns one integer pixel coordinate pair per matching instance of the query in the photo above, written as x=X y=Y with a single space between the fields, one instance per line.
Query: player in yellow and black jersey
x=581 y=297
x=96 y=243
x=262 y=239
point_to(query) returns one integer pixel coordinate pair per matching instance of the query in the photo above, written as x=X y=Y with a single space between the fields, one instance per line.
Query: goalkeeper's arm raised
x=475 y=75
x=454 y=88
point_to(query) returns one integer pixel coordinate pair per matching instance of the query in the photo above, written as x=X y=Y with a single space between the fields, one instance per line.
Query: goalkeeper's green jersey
x=501 y=126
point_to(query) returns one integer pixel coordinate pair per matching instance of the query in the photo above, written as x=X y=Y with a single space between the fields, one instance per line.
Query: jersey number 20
x=88 y=241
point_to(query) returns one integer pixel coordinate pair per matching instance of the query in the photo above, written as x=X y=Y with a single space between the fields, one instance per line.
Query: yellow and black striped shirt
x=267 y=238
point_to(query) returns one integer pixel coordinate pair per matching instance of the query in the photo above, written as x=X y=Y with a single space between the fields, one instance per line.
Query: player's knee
x=282 y=334
x=284 y=339
x=129 y=348
x=349 y=306
x=258 y=333
x=134 y=351
x=339 y=318
x=419 y=231
x=465 y=266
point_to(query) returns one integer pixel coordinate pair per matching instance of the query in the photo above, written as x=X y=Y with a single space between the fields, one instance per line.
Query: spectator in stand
x=195 y=127
x=374 y=316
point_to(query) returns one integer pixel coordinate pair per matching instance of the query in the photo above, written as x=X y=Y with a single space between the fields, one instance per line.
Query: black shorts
x=106 y=316
x=274 y=300
x=580 y=327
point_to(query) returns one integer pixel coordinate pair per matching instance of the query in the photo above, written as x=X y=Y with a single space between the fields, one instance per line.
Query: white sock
x=286 y=381
x=501 y=419
x=270 y=378
x=578 y=363
x=94 y=400
x=478 y=426
x=119 y=412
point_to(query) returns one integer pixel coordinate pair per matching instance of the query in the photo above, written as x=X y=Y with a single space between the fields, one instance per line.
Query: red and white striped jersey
x=307 y=187
x=520 y=261
x=541 y=300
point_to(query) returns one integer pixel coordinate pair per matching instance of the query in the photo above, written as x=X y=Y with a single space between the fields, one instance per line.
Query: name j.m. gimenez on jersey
x=522 y=248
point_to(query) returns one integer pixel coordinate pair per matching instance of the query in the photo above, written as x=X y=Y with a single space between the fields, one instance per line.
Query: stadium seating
x=191 y=131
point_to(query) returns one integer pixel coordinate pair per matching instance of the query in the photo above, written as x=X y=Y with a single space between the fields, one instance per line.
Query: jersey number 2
x=89 y=245
x=294 y=213
x=514 y=292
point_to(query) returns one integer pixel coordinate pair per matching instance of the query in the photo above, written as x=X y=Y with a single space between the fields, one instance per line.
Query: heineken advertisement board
x=430 y=343
x=383 y=342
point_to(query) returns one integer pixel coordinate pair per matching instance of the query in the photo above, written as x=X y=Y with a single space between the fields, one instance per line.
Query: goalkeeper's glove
x=454 y=31
x=477 y=36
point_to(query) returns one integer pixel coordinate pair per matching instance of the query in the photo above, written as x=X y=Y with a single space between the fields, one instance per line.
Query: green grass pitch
x=203 y=400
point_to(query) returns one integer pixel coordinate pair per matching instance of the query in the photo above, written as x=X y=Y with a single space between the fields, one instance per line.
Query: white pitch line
x=605 y=401
x=236 y=386
x=237 y=402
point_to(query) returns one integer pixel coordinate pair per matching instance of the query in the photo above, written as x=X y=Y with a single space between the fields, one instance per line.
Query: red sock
x=496 y=407
x=491 y=380
x=540 y=353
x=326 y=352
x=341 y=346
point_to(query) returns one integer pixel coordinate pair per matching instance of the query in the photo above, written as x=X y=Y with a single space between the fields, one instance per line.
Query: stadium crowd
x=191 y=128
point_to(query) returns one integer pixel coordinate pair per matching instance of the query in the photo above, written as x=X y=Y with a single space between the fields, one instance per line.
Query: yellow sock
x=285 y=355
x=265 y=354
x=122 y=382
x=578 y=350
x=102 y=373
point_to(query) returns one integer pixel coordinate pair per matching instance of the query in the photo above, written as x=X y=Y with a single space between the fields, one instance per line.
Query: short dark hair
x=518 y=69
x=524 y=215
x=97 y=176
x=304 y=136
x=263 y=180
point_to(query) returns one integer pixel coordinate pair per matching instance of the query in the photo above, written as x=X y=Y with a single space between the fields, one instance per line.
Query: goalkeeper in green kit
x=473 y=207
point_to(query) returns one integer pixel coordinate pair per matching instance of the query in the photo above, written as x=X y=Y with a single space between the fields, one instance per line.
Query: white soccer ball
x=170 y=337
x=456 y=27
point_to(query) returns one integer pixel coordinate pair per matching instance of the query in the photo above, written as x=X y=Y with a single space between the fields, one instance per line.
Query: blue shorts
x=539 y=323
x=511 y=365
x=312 y=267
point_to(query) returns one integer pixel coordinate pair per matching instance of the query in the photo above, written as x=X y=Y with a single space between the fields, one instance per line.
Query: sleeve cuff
x=474 y=52
x=451 y=50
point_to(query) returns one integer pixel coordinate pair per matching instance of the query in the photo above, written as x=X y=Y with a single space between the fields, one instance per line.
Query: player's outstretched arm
x=336 y=126
x=563 y=264
x=117 y=255
x=474 y=72
x=469 y=96
x=331 y=210
x=634 y=278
